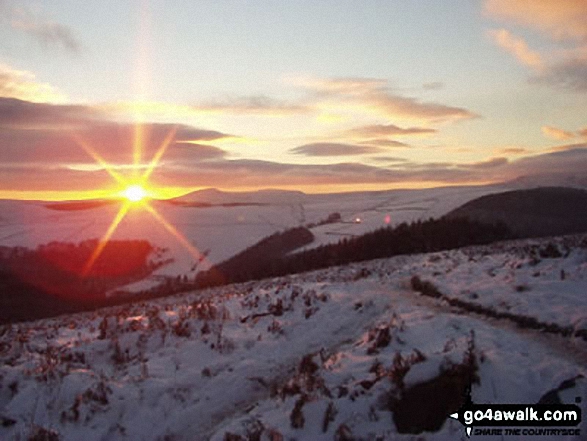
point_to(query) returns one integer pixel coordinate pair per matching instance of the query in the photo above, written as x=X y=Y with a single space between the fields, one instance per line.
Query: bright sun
x=135 y=193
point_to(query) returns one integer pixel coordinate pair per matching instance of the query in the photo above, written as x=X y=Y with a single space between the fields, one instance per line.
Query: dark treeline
x=63 y=268
x=263 y=257
x=416 y=237
x=28 y=277
x=53 y=279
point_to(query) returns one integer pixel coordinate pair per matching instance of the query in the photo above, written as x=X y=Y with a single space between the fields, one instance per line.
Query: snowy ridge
x=320 y=356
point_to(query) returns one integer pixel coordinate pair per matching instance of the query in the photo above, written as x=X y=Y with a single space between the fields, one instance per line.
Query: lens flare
x=135 y=193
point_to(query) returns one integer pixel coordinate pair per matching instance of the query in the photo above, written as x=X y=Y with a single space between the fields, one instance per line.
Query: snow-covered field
x=317 y=356
x=223 y=231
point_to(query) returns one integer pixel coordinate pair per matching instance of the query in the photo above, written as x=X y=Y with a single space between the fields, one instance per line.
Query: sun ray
x=160 y=152
x=171 y=229
x=90 y=151
x=131 y=187
x=137 y=144
x=102 y=243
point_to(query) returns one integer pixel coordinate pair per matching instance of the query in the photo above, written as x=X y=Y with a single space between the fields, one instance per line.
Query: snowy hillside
x=332 y=354
x=224 y=230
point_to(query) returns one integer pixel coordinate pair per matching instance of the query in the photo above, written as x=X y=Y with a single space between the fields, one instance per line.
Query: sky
x=324 y=96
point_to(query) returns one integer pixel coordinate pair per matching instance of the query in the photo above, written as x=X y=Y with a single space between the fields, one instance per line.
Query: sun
x=135 y=193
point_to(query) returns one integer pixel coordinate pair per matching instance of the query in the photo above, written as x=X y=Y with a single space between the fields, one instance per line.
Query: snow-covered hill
x=234 y=222
x=325 y=355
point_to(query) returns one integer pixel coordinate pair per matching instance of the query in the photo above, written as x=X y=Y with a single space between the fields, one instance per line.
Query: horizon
x=321 y=98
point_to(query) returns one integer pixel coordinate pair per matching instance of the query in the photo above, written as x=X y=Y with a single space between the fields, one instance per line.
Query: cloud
x=378 y=130
x=490 y=163
x=189 y=133
x=218 y=171
x=517 y=47
x=23 y=85
x=56 y=134
x=566 y=147
x=252 y=173
x=513 y=150
x=333 y=149
x=375 y=96
x=17 y=113
x=569 y=160
x=562 y=19
x=256 y=105
x=47 y=32
x=384 y=143
x=583 y=132
x=569 y=74
x=50 y=34
x=388 y=159
x=556 y=133
x=199 y=151
x=435 y=85
x=559 y=19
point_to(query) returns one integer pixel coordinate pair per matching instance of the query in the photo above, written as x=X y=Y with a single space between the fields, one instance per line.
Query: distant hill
x=214 y=197
x=545 y=211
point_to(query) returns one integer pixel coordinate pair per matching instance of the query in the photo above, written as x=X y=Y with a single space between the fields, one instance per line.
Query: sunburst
x=135 y=192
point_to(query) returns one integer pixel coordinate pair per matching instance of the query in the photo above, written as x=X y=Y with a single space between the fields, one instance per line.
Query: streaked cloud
x=562 y=19
x=376 y=96
x=23 y=85
x=567 y=147
x=388 y=159
x=253 y=105
x=381 y=142
x=199 y=151
x=47 y=32
x=517 y=47
x=556 y=133
x=380 y=130
x=569 y=74
x=434 y=85
x=334 y=149
x=487 y=164
x=59 y=134
x=20 y=114
x=222 y=172
x=512 y=150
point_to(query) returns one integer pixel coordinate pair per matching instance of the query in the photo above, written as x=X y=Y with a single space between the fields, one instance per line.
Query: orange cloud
x=517 y=47
x=562 y=19
x=377 y=130
x=556 y=133
x=559 y=19
x=512 y=151
x=375 y=96
x=23 y=85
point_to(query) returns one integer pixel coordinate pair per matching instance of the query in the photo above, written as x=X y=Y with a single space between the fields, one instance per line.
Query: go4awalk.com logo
x=551 y=420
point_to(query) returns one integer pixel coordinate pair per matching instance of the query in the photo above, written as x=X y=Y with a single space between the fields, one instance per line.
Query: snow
x=224 y=231
x=239 y=359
